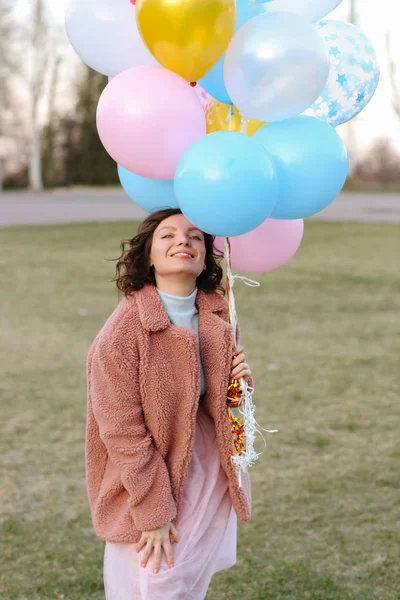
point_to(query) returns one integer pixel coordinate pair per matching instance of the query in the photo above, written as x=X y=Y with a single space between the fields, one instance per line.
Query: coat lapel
x=216 y=346
x=215 y=336
x=153 y=315
x=216 y=356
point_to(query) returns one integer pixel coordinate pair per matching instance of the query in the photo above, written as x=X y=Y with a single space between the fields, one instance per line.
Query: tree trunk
x=50 y=160
x=35 y=163
x=2 y=172
x=39 y=43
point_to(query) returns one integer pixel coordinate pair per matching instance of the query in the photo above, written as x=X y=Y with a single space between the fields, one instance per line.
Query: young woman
x=162 y=489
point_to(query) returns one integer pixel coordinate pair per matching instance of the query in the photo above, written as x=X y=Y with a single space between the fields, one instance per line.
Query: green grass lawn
x=322 y=337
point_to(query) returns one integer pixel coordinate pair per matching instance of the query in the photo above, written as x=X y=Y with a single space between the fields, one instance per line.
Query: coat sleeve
x=115 y=397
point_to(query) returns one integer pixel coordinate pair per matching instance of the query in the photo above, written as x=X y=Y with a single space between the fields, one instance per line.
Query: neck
x=176 y=287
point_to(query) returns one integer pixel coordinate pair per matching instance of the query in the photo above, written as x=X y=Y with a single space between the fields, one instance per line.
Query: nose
x=184 y=240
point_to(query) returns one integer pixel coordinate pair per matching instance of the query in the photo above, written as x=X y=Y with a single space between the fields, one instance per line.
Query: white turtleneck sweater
x=182 y=311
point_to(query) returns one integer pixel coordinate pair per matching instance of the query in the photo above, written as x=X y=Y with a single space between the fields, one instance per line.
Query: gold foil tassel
x=235 y=396
x=238 y=432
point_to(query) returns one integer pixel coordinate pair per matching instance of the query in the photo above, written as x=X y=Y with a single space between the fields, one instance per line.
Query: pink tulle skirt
x=207 y=527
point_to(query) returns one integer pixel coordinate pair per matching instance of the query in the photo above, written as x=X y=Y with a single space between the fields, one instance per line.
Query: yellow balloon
x=221 y=117
x=186 y=36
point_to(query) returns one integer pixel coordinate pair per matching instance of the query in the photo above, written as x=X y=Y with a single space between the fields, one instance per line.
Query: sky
x=378 y=118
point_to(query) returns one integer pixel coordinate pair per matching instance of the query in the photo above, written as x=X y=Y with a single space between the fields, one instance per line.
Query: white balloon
x=276 y=66
x=312 y=9
x=105 y=35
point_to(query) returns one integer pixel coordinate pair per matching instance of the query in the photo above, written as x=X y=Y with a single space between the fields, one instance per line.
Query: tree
x=381 y=164
x=351 y=135
x=26 y=84
x=393 y=74
x=8 y=59
x=8 y=65
x=87 y=160
x=50 y=145
x=40 y=53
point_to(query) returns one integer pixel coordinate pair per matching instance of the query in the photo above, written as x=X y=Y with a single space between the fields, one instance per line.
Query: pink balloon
x=265 y=248
x=147 y=117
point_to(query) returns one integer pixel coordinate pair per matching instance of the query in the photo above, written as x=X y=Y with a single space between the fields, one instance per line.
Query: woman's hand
x=157 y=539
x=240 y=368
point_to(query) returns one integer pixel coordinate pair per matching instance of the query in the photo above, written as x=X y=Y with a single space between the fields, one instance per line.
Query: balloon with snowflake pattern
x=353 y=77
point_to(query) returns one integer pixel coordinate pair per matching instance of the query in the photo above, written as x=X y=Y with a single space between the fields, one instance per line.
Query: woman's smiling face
x=178 y=248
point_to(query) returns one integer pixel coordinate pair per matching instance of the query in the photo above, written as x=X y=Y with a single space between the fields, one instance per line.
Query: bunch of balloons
x=227 y=110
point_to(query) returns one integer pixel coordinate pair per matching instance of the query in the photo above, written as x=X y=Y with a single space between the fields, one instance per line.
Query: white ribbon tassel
x=248 y=456
x=243 y=123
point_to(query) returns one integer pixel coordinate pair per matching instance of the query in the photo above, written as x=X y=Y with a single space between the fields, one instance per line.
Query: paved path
x=80 y=205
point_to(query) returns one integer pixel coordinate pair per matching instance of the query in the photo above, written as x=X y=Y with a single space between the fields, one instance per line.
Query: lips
x=183 y=254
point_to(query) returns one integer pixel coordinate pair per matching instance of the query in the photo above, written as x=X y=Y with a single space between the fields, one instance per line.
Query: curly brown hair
x=133 y=269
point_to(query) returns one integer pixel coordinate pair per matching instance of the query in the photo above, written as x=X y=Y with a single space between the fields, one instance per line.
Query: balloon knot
x=192 y=83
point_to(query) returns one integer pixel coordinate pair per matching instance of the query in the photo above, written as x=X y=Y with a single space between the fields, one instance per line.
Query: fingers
x=146 y=553
x=237 y=349
x=168 y=553
x=246 y=374
x=158 y=542
x=240 y=358
x=140 y=543
x=156 y=557
x=241 y=370
x=174 y=532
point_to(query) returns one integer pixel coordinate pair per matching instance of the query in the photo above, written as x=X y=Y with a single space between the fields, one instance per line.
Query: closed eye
x=170 y=235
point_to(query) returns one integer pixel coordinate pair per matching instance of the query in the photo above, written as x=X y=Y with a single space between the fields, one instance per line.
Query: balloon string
x=230 y=281
x=229 y=284
x=246 y=280
x=247 y=457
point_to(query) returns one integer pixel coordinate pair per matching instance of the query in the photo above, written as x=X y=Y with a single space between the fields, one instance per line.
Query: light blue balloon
x=311 y=164
x=150 y=194
x=213 y=81
x=353 y=76
x=276 y=66
x=226 y=184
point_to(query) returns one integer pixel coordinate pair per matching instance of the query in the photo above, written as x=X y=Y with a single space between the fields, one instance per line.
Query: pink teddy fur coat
x=143 y=388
